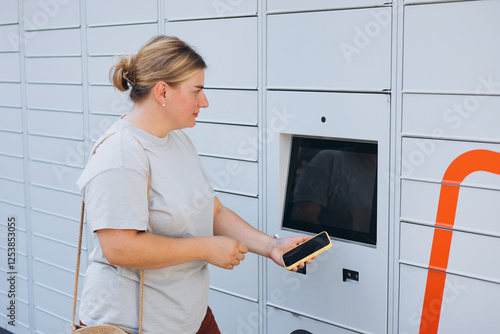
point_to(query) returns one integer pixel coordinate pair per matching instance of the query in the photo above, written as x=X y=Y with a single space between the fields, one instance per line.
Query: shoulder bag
x=105 y=328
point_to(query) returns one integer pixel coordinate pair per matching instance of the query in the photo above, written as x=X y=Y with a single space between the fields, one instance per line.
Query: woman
x=173 y=234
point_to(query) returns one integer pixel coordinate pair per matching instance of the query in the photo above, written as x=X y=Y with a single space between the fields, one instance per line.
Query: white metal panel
x=428 y=159
x=284 y=322
x=98 y=69
x=12 y=167
x=9 y=38
x=18 y=329
x=109 y=100
x=57 y=278
x=231 y=106
x=54 y=303
x=246 y=207
x=323 y=282
x=11 y=144
x=467 y=117
x=22 y=294
x=98 y=124
x=361 y=116
x=55 y=123
x=22 y=308
x=58 y=150
x=10 y=12
x=239 y=177
x=108 y=41
x=120 y=12
x=47 y=322
x=59 y=254
x=475 y=300
x=55 y=97
x=11 y=119
x=10 y=67
x=21 y=265
x=230 y=49
x=11 y=95
x=12 y=191
x=227 y=141
x=471 y=255
x=57 y=229
x=54 y=176
x=51 y=14
x=14 y=210
x=466 y=306
x=334 y=50
x=299 y=5
x=54 y=70
x=411 y=298
x=453 y=50
x=48 y=200
x=476 y=208
x=48 y=43
x=196 y=9
x=230 y=280
x=22 y=249
x=233 y=314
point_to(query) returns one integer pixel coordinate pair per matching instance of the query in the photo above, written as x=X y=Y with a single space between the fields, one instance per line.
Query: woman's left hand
x=279 y=246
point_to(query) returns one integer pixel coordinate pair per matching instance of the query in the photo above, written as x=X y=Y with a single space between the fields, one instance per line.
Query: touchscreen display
x=332 y=186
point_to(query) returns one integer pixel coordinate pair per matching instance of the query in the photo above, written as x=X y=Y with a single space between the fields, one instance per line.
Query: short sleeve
x=117 y=199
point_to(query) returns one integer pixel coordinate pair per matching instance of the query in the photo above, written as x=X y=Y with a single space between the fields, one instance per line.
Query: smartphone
x=306 y=250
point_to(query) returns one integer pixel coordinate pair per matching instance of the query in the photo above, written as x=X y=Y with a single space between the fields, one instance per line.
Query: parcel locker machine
x=328 y=169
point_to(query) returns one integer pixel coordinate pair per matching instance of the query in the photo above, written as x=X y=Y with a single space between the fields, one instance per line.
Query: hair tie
x=130 y=76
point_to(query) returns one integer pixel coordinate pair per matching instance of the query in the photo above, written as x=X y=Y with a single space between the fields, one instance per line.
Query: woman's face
x=183 y=102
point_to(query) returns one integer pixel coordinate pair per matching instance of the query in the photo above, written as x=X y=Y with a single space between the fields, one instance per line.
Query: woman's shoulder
x=120 y=148
x=115 y=150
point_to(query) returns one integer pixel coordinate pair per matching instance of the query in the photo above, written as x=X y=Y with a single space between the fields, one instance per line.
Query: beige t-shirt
x=181 y=203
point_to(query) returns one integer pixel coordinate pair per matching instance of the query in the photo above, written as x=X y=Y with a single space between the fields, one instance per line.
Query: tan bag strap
x=80 y=235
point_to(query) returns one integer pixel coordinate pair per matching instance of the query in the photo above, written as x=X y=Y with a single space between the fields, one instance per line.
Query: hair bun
x=129 y=72
x=123 y=73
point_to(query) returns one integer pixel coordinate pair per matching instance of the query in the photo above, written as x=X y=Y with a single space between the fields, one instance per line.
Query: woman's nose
x=203 y=103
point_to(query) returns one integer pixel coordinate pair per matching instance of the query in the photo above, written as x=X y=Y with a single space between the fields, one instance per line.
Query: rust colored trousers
x=208 y=326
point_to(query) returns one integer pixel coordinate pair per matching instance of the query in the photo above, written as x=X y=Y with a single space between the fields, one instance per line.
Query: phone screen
x=305 y=249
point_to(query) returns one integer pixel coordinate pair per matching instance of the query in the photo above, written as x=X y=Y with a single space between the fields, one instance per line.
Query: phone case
x=321 y=250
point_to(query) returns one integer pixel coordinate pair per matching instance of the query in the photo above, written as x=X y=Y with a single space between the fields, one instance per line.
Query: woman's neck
x=149 y=118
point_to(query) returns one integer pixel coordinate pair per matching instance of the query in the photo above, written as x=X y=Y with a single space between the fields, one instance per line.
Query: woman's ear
x=160 y=91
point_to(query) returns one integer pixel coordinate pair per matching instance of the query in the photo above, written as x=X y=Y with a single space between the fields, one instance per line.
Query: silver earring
x=163 y=104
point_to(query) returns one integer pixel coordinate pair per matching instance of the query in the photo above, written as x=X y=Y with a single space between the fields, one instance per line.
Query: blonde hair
x=162 y=58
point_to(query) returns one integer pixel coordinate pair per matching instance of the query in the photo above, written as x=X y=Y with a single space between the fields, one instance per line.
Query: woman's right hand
x=225 y=252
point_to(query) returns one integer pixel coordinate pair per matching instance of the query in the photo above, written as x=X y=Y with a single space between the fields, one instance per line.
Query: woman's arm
x=229 y=224
x=143 y=250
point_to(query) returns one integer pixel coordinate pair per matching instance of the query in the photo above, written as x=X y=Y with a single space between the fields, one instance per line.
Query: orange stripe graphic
x=459 y=169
